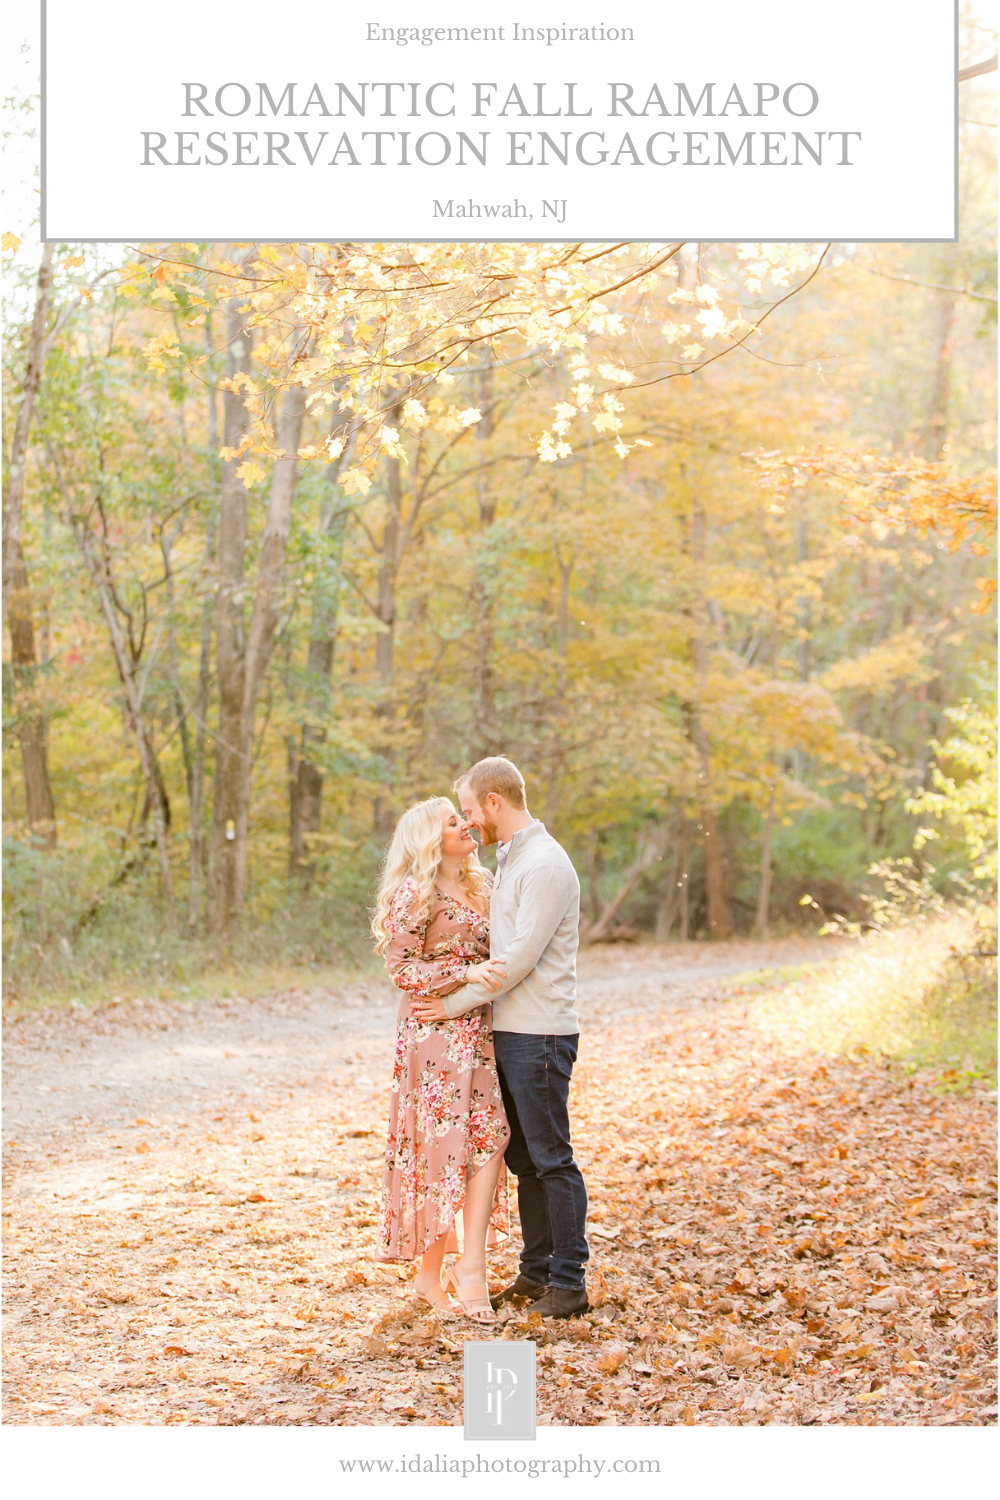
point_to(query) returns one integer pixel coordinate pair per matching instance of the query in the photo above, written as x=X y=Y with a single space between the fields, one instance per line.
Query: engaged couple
x=485 y=1044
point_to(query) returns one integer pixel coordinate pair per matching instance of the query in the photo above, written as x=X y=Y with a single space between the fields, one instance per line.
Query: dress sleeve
x=404 y=958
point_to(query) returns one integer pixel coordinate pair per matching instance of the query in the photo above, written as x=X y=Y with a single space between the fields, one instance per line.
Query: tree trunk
x=306 y=804
x=227 y=849
x=670 y=902
x=385 y=641
x=594 y=877
x=231 y=886
x=936 y=426
x=648 y=848
x=764 y=888
x=720 y=921
x=685 y=893
x=559 y=705
x=271 y=570
x=196 y=845
x=166 y=549
x=14 y=499
x=196 y=838
x=32 y=726
x=487 y=734
x=155 y=794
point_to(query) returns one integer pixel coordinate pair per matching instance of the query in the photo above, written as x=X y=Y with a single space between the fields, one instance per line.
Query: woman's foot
x=436 y=1297
x=471 y=1292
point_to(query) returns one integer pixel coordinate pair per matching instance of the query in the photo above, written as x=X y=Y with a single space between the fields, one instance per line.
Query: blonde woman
x=447 y=1127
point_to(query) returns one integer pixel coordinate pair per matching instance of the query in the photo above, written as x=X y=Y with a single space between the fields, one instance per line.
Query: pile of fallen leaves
x=775 y=1237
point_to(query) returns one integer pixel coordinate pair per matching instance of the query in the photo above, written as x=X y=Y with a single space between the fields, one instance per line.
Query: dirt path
x=191 y=1195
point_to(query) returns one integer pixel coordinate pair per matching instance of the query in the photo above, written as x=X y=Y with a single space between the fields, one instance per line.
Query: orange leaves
x=691 y=1122
x=610 y=1361
x=890 y=494
x=987 y=590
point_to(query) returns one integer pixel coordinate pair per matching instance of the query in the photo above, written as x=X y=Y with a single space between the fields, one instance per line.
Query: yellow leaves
x=70 y=261
x=159 y=349
x=251 y=473
x=311 y=450
x=565 y=413
x=713 y=323
x=901 y=658
x=470 y=416
x=238 y=382
x=414 y=414
x=10 y=242
x=355 y=481
x=549 y=450
x=388 y=439
x=616 y=373
x=987 y=589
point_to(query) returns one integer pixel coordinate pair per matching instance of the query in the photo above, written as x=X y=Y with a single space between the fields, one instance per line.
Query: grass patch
x=219 y=980
x=132 y=952
x=923 y=995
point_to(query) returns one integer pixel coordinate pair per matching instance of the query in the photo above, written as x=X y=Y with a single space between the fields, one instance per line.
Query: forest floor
x=778 y=1235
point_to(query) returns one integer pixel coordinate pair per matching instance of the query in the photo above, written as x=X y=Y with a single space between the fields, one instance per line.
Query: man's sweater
x=535 y=929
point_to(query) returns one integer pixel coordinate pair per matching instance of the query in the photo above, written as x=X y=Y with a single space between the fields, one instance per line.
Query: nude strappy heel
x=443 y=1305
x=476 y=1307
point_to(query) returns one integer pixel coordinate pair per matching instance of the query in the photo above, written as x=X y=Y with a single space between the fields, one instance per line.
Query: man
x=534 y=930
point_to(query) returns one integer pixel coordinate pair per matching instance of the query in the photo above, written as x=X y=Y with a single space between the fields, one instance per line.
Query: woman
x=447 y=1127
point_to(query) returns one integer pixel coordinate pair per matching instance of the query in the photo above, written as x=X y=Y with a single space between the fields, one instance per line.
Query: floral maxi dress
x=446 y=1114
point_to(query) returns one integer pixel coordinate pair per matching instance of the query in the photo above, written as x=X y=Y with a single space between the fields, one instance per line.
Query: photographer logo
x=500 y=1390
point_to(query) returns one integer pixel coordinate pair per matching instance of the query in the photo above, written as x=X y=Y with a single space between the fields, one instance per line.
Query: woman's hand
x=490 y=973
x=428 y=1008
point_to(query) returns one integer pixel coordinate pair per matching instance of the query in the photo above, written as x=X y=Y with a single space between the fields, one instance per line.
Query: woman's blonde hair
x=415 y=854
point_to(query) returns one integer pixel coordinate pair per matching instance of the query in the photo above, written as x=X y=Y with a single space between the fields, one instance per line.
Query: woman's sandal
x=443 y=1306
x=478 y=1308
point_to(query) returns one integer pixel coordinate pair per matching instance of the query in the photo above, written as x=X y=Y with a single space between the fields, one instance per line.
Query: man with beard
x=534 y=931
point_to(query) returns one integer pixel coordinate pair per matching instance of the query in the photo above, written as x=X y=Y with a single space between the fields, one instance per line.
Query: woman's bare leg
x=480 y=1191
x=428 y=1278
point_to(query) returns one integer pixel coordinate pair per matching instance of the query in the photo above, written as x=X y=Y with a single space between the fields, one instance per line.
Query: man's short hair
x=495 y=774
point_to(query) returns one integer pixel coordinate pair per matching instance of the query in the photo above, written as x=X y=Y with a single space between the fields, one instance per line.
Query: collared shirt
x=502 y=852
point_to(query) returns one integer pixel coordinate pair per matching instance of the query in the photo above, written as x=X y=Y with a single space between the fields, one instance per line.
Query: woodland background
x=699 y=535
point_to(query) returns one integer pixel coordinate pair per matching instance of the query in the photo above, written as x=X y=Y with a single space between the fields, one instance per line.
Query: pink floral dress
x=446 y=1114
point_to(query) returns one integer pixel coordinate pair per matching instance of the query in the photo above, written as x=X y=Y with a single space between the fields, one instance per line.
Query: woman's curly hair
x=415 y=854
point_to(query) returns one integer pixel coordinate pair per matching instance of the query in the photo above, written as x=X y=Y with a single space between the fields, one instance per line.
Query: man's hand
x=490 y=973
x=428 y=1008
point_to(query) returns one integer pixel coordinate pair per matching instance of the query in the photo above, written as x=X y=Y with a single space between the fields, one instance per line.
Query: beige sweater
x=535 y=929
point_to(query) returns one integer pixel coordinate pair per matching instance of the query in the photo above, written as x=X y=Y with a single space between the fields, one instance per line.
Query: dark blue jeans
x=534 y=1076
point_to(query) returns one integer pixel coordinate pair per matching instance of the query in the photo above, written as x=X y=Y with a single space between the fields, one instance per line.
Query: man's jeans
x=534 y=1076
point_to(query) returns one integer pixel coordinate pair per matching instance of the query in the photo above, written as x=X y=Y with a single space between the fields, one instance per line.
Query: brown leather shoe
x=561 y=1302
x=521 y=1288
